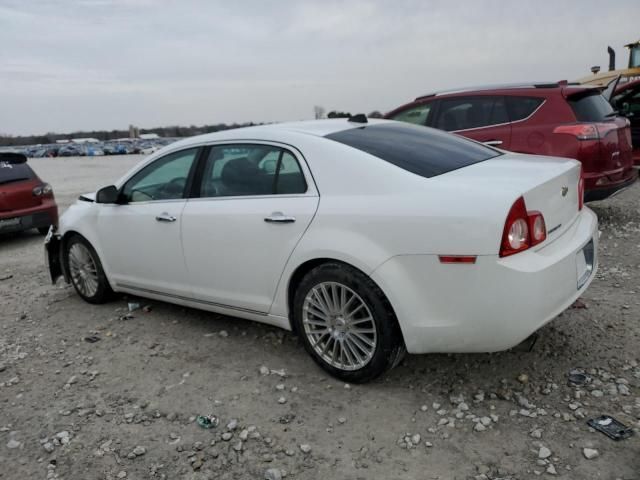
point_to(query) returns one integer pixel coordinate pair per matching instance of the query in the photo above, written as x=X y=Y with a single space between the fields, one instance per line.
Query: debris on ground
x=133 y=306
x=92 y=339
x=611 y=427
x=207 y=421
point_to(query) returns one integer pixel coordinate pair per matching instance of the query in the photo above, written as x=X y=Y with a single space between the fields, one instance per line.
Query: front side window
x=250 y=169
x=464 y=113
x=416 y=115
x=164 y=179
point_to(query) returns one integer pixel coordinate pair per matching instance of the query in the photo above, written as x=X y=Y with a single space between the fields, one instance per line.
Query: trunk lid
x=549 y=185
x=18 y=195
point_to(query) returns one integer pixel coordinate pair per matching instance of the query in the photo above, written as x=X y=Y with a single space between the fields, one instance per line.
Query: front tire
x=346 y=323
x=86 y=272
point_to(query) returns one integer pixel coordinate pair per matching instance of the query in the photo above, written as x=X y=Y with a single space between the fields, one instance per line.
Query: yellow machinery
x=632 y=72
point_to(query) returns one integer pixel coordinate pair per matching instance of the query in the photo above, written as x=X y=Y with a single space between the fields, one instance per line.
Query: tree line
x=172 y=131
x=102 y=135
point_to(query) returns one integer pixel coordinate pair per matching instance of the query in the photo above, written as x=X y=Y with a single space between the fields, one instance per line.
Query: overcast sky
x=100 y=64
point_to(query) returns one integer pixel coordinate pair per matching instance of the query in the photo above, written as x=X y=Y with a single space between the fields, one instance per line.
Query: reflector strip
x=469 y=259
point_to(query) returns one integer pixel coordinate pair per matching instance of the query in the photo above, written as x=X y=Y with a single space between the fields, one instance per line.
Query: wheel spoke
x=364 y=339
x=327 y=298
x=352 y=313
x=354 y=351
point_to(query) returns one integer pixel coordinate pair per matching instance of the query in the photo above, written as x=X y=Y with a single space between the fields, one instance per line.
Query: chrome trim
x=505 y=123
x=191 y=299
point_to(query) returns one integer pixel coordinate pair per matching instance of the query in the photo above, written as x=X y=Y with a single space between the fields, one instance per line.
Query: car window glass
x=590 y=107
x=521 y=107
x=424 y=151
x=164 y=179
x=471 y=112
x=417 y=115
x=250 y=169
x=15 y=172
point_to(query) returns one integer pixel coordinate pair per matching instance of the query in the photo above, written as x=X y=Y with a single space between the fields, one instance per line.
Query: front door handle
x=279 y=217
x=493 y=143
x=165 y=217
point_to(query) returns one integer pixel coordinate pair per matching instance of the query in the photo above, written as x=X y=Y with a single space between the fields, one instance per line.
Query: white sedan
x=366 y=238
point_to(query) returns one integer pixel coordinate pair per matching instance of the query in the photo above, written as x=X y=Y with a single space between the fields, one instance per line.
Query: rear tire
x=346 y=323
x=86 y=272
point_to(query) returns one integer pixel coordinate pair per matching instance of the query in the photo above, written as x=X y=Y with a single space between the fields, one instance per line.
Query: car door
x=482 y=118
x=255 y=200
x=140 y=236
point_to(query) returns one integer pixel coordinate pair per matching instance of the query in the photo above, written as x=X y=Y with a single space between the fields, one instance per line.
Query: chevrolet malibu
x=366 y=238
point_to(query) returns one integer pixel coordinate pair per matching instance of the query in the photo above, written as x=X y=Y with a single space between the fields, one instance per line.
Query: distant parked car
x=25 y=201
x=71 y=151
x=626 y=100
x=544 y=119
x=365 y=237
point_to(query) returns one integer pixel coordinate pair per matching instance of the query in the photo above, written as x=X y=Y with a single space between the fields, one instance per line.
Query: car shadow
x=439 y=373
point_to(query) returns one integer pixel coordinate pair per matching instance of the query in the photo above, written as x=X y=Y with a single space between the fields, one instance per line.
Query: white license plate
x=584 y=264
x=9 y=222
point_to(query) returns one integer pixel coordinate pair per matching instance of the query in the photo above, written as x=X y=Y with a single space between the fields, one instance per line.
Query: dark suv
x=545 y=119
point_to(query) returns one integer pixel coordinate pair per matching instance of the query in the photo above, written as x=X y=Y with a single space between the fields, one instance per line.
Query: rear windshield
x=590 y=107
x=424 y=151
x=10 y=172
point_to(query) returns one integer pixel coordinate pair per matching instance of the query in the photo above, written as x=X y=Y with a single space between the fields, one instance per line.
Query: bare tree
x=318 y=112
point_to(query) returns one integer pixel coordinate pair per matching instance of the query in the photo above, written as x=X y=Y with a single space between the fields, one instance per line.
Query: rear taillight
x=43 y=190
x=587 y=131
x=522 y=229
x=581 y=190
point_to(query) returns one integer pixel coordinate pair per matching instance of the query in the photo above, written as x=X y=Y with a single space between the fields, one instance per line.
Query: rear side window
x=464 y=113
x=250 y=169
x=590 y=107
x=424 y=151
x=15 y=172
x=416 y=115
x=521 y=107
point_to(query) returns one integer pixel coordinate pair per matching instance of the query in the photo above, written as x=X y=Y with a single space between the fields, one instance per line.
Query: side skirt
x=262 y=317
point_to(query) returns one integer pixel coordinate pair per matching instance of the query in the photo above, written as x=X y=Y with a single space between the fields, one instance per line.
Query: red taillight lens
x=522 y=229
x=584 y=131
x=581 y=190
x=537 y=228
x=587 y=131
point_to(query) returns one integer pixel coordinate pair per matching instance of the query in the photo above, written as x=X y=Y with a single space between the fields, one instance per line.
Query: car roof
x=277 y=131
x=503 y=88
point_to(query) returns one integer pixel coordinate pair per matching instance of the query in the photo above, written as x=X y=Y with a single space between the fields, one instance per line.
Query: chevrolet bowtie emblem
x=565 y=190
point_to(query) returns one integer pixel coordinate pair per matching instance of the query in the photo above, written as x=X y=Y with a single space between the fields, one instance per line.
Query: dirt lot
x=125 y=406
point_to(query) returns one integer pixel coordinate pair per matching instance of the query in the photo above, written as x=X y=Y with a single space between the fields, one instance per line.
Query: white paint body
x=391 y=224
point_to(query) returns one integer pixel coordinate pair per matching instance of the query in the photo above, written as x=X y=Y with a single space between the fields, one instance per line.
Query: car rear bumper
x=595 y=193
x=25 y=219
x=493 y=304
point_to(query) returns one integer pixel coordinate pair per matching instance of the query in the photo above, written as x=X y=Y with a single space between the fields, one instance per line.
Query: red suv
x=25 y=200
x=545 y=119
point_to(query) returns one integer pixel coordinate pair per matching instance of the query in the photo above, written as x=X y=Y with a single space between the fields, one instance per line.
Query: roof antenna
x=358 y=118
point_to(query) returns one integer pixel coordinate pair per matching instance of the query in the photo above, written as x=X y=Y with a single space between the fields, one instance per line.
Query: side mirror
x=107 y=195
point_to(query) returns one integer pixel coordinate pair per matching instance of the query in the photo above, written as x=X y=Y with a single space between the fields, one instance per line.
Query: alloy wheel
x=82 y=268
x=339 y=325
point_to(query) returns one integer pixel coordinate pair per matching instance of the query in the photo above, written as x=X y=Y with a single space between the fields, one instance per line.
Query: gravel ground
x=125 y=406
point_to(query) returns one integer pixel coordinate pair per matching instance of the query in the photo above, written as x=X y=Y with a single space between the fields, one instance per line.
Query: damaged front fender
x=53 y=254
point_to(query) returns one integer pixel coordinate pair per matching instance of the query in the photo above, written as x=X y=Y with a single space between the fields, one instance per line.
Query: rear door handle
x=165 y=217
x=493 y=143
x=279 y=217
